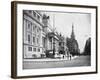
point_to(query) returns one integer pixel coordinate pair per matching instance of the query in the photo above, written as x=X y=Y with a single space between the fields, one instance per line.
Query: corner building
x=32 y=33
x=38 y=35
x=36 y=28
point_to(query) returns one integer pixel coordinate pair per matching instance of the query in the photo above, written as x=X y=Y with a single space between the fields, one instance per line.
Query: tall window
x=33 y=28
x=34 y=49
x=37 y=41
x=38 y=17
x=29 y=48
x=34 y=14
x=43 y=41
x=33 y=39
x=29 y=38
x=37 y=30
x=38 y=49
x=29 y=25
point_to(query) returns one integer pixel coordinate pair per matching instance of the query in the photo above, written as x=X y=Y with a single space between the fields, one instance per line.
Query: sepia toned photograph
x=56 y=39
x=53 y=39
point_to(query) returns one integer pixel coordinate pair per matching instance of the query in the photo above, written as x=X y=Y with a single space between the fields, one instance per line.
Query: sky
x=63 y=22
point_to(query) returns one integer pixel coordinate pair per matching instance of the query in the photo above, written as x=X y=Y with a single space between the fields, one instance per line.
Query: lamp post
x=53 y=45
x=54 y=35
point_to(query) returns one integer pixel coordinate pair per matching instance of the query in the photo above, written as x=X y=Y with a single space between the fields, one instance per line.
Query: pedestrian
x=70 y=57
x=63 y=56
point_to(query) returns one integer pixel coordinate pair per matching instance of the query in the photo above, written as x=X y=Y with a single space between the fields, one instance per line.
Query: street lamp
x=53 y=46
x=53 y=35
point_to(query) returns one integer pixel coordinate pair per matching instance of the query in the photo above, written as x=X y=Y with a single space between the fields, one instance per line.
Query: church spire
x=73 y=35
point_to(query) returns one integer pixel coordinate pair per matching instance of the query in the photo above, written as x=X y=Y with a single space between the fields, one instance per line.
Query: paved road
x=79 y=61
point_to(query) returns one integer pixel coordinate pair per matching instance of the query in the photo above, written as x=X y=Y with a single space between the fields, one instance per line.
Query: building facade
x=38 y=36
x=32 y=33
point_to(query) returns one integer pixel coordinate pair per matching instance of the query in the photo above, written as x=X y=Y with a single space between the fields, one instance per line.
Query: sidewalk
x=50 y=59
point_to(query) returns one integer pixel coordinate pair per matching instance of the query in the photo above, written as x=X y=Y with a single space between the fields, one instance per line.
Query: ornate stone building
x=32 y=33
x=38 y=37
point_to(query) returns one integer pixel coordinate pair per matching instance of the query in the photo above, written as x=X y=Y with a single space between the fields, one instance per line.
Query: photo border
x=14 y=37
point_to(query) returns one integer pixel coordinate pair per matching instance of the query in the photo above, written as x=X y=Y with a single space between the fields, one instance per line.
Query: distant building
x=87 y=48
x=62 y=44
x=73 y=44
